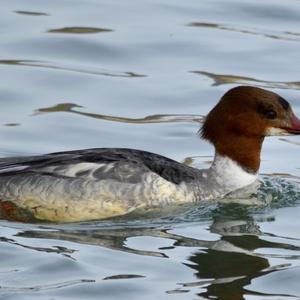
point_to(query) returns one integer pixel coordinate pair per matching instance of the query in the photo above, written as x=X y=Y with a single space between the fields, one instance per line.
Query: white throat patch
x=230 y=174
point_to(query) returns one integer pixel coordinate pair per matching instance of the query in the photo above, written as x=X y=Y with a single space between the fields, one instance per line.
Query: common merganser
x=105 y=182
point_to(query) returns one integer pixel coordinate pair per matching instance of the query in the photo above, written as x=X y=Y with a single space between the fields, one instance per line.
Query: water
x=142 y=74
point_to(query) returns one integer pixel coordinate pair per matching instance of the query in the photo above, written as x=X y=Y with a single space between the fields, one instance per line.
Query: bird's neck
x=244 y=151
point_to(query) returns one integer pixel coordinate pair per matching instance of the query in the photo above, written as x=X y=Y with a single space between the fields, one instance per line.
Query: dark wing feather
x=139 y=161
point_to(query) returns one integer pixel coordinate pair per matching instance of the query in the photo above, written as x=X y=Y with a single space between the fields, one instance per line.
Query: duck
x=100 y=183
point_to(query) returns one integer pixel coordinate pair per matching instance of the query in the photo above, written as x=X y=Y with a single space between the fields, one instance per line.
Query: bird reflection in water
x=223 y=267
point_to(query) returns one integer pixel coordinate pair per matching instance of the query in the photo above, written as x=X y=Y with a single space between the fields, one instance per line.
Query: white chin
x=276 y=131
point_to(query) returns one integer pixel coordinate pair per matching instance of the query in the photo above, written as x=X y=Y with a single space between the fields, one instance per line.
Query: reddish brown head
x=237 y=125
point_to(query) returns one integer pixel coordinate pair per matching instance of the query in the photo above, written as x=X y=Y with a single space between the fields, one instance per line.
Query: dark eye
x=271 y=114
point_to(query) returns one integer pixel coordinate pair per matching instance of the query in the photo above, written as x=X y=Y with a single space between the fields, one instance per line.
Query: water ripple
x=220 y=79
x=31 y=13
x=44 y=287
x=159 y=118
x=123 y=276
x=79 y=30
x=45 y=65
x=56 y=249
x=278 y=35
x=289 y=141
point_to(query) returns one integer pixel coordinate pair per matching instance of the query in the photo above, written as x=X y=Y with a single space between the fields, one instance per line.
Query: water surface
x=142 y=74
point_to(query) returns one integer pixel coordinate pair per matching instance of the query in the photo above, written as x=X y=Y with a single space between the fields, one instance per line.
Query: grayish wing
x=125 y=165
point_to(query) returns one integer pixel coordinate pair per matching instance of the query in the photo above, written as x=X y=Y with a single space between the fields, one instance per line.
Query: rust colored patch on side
x=11 y=212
